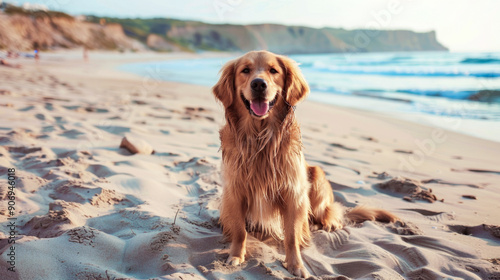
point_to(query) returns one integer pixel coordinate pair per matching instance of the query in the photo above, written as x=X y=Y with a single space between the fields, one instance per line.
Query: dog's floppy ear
x=224 y=89
x=296 y=87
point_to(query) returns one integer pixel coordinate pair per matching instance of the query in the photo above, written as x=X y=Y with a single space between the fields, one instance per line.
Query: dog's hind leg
x=325 y=211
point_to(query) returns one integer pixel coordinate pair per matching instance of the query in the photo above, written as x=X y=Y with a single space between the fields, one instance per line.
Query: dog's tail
x=360 y=214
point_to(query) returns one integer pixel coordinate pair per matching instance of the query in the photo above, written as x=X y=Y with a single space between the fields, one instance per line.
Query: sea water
x=436 y=88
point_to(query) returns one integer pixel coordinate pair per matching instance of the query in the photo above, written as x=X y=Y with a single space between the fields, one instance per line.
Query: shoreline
x=480 y=129
x=78 y=191
x=454 y=118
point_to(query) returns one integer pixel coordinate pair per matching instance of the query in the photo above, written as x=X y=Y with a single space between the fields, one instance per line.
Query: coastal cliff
x=24 y=33
x=300 y=39
x=21 y=30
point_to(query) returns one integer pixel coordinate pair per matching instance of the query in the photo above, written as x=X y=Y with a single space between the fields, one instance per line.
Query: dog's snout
x=258 y=85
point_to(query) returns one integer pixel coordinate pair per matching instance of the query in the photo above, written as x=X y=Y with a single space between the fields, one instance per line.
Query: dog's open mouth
x=259 y=107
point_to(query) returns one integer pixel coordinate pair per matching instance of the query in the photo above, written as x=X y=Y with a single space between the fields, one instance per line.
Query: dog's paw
x=333 y=225
x=300 y=271
x=297 y=270
x=233 y=260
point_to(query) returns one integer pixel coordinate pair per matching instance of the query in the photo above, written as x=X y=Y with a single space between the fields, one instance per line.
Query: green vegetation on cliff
x=196 y=35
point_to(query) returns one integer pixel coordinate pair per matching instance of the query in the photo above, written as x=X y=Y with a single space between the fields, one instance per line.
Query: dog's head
x=258 y=82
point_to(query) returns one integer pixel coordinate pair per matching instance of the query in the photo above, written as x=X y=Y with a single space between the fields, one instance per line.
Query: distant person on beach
x=35 y=47
x=85 y=54
x=37 y=56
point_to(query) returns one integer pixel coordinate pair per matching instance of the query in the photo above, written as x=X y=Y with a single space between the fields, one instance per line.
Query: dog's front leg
x=232 y=216
x=297 y=233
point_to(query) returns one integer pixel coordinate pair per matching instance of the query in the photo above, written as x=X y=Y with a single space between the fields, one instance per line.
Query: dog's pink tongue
x=260 y=108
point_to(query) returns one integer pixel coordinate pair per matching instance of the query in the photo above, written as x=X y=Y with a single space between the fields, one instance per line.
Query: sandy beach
x=85 y=208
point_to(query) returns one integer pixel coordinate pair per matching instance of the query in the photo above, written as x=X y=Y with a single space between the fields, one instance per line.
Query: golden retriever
x=267 y=182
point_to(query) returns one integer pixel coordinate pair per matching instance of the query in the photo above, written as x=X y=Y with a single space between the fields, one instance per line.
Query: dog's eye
x=246 y=70
x=273 y=71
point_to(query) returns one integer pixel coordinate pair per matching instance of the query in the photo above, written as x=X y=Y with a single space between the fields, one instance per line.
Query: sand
x=87 y=209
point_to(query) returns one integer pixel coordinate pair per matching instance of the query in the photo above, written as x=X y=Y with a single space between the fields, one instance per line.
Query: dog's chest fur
x=266 y=170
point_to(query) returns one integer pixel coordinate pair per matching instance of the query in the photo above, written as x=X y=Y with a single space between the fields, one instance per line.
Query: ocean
x=455 y=91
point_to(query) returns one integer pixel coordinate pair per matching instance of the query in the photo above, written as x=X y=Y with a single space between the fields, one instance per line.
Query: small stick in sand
x=175 y=218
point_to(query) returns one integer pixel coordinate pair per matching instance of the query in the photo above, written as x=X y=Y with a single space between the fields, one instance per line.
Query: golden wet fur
x=267 y=182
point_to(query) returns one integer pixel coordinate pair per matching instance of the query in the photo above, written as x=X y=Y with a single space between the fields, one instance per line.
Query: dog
x=267 y=184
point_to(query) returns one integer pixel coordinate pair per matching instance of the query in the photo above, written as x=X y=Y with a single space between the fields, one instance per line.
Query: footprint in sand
x=403 y=151
x=117 y=130
x=96 y=110
x=23 y=150
x=484 y=171
x=72 y=134
x=408 y=188
x=25 y=109
x=49 y=107
x=404 y=228
x=443 y=182
x=61 y=217
x=491 y=232
x=101 y=171
x=95 y=196
x=432 y=215
x=341 y=146
x=40 y=117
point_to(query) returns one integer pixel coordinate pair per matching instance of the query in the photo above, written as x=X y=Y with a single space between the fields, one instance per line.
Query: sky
x=461 y=25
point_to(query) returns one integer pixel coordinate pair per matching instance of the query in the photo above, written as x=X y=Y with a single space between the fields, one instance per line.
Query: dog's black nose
x=258 y=85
